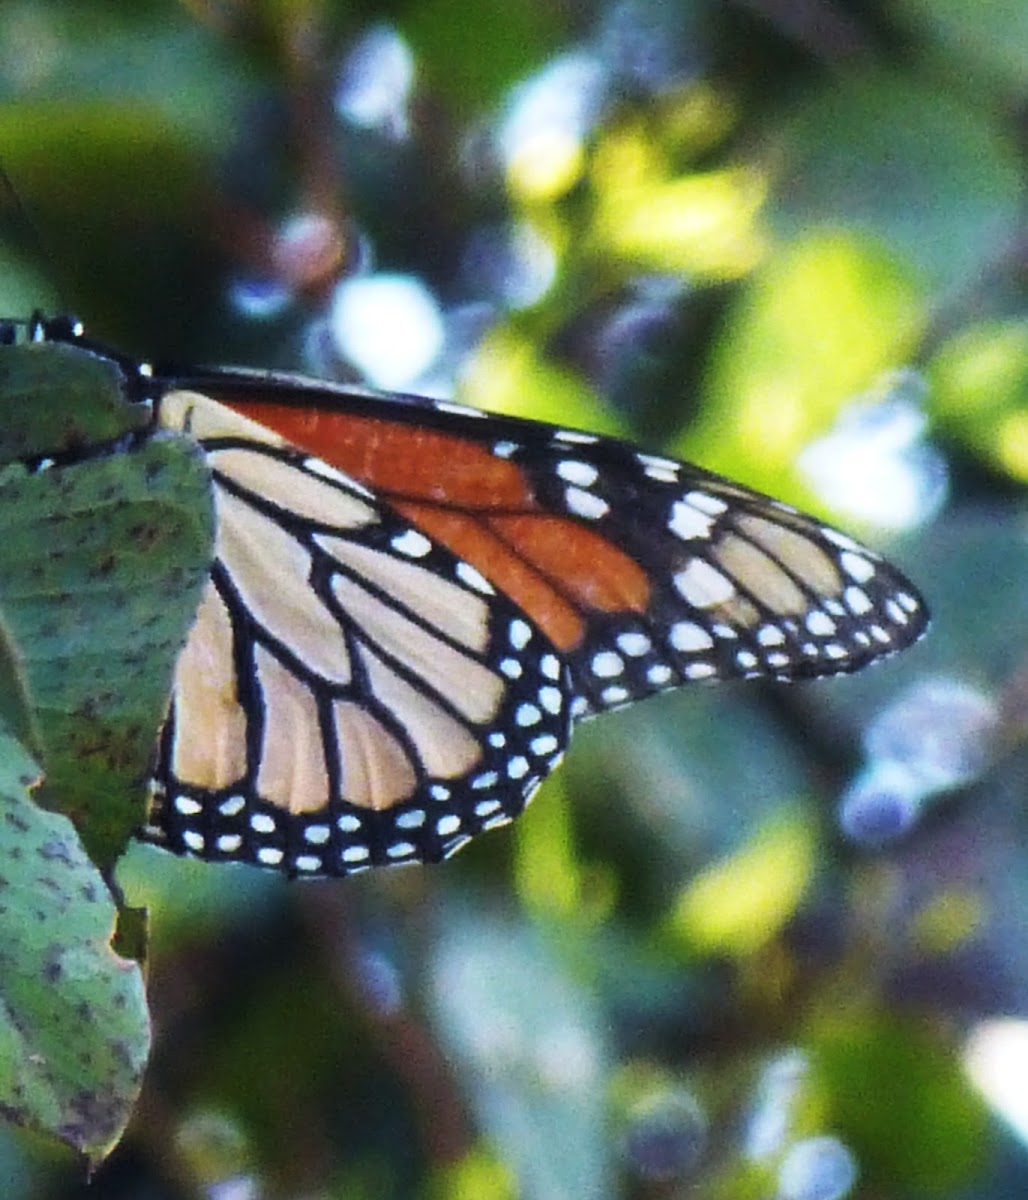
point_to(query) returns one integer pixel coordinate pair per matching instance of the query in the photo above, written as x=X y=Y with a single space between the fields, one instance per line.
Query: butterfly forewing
x=644 y=572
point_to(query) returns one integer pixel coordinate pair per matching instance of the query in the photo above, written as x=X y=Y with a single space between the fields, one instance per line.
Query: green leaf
x=74 y=1032
x=56 y=400
x=101 y=567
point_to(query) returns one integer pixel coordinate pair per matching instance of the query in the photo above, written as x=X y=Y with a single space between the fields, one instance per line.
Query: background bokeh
x=748 y=942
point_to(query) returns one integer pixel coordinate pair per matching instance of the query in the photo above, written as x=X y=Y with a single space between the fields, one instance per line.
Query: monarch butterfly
x=412 y=603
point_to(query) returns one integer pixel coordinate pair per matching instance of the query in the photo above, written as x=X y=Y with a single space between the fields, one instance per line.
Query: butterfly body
x=411 y=603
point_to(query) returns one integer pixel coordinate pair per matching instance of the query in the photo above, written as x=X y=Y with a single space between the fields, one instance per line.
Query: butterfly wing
x=606 y=548
x=351 y=693
x=405 y=635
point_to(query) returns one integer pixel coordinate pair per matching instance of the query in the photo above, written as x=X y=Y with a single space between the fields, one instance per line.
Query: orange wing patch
x=480 y=507
x=505 y=566
x=591 y=569
x=401 y=460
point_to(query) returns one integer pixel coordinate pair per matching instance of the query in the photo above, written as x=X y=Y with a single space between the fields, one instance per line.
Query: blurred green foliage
x=680 y=965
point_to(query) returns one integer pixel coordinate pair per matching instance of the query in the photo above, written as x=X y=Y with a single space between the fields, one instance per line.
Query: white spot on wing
x=857 y=566
x=820 y=624
x=857 y=600
x=585 y=504
x=687 y=523
x=895 y=612
x=667 y=474
x=573 y=470
x=575 y=437
x=702 y=585
x=700 y=670
x=517 y=768
x=460 y=410
x=635 y=645
x=606 y=664
x=411 y=543
x=520 y=634
x=474 y=579
x=659 y=463
x=687 y=636
x=839 y=539
x=707 y=503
